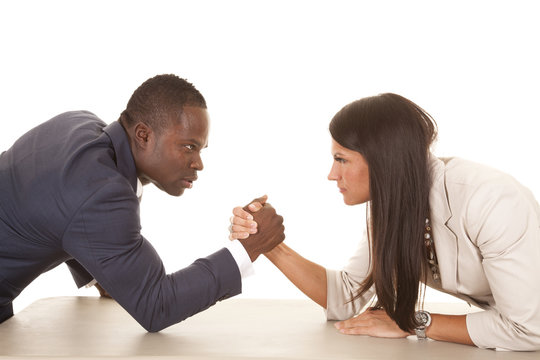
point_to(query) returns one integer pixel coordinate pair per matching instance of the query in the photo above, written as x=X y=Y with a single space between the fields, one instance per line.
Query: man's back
x=44 y=178
x=68 y=190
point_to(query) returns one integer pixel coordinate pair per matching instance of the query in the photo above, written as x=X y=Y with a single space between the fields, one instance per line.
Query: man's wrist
x=241 y=257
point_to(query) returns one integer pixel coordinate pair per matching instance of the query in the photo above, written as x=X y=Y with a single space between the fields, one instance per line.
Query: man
x=69 y=191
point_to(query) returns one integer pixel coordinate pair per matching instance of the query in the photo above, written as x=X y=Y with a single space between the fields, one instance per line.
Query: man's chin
x=176 y=192
x=172 y=191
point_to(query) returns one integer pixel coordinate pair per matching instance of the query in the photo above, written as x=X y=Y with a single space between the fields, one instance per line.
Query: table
x=92 y=327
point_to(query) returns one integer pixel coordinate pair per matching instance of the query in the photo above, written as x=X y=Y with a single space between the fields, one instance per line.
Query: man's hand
x=102 y=291
x=269 y=231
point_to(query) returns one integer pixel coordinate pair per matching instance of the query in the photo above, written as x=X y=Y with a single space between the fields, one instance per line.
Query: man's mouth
x=188 y=182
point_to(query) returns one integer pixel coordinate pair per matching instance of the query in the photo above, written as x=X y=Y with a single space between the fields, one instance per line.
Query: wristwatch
x=424 y=319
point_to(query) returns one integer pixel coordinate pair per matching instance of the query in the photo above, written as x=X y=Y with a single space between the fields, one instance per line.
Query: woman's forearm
x=451 y=328
x=307 y=276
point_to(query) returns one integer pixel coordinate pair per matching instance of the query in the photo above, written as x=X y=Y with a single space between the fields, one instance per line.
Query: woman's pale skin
x=351 y=173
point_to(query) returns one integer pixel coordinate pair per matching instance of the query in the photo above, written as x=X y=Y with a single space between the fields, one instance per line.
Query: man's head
x=167 y=125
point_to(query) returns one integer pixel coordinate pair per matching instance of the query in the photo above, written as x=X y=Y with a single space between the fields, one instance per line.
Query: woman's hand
x=242 y=224
x=371 y=322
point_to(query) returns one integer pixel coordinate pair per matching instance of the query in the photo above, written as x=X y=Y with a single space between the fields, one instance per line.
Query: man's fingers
x=256 y=204
x=261 y=199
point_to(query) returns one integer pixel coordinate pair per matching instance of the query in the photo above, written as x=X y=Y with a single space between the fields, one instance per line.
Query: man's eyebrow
x=196 y=143
x=193 y=141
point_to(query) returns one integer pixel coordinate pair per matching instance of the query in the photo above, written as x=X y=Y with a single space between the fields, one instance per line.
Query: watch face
x=422 y=317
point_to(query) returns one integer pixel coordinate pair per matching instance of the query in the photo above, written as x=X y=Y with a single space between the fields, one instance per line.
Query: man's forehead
x=193 y=117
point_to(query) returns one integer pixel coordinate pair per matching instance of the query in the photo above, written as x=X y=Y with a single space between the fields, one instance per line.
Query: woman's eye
x=339 y=160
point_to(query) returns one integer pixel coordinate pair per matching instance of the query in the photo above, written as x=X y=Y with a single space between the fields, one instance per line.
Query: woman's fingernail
x=252 y=207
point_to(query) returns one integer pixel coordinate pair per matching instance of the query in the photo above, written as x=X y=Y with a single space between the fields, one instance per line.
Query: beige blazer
x=486 y=230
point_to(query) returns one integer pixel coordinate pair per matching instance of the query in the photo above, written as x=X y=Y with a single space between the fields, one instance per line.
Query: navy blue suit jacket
x=68 y=193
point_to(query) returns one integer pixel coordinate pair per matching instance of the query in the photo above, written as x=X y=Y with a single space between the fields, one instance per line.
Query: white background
x=274 y=73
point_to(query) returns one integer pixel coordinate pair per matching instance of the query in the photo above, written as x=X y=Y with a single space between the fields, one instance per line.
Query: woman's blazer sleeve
x=503 y=220
x=343 y=285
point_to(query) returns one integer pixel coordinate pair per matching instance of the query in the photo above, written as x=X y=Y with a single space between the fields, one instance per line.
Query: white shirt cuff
x=241 y=257
x=91 y=283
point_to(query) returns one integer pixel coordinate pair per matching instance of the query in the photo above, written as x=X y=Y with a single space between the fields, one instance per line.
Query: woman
x=451 y=224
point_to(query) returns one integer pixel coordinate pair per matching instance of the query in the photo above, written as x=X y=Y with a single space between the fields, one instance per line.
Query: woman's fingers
x=373 y=323
x=242 y=224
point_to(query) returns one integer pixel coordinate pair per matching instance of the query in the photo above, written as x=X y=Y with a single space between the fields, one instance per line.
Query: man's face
x=173 y=157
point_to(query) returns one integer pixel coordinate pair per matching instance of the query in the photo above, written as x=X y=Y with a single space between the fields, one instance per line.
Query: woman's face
x=350 y=171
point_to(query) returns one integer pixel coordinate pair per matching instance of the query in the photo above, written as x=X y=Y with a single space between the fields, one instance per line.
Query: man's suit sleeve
x=104 y=236
x=79 y=273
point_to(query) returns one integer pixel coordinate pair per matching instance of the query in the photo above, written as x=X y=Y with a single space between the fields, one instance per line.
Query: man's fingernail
x=252 y=207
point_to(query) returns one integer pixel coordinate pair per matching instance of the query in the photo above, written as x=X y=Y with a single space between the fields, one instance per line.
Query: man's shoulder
x=77 y=114
x=76 y=118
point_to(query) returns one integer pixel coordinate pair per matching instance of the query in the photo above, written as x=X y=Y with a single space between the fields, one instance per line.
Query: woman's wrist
x=275 y=252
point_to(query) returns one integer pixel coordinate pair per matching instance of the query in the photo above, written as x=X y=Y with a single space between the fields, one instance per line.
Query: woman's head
x=389 y=133
x=388 y=138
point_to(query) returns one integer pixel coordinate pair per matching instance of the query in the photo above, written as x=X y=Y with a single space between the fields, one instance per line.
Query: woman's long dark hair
x=394 y=136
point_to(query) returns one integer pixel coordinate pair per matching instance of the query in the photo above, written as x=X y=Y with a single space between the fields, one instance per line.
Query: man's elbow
x=153 y=326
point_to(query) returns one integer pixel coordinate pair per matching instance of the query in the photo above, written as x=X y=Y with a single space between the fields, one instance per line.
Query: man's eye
x=189 y=147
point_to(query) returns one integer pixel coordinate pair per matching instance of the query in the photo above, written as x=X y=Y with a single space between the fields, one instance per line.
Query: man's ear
x=142 y=135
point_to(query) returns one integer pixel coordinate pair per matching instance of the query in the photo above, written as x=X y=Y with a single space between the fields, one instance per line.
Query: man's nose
x=197 y=163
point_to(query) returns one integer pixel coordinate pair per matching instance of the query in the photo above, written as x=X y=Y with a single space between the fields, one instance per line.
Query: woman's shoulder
x=462 y=172
x=471 y=187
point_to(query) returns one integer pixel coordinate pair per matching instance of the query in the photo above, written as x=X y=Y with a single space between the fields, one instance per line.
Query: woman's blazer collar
x=441 y=218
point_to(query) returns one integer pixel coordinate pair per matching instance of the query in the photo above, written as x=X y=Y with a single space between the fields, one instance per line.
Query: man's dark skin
x=170 y=159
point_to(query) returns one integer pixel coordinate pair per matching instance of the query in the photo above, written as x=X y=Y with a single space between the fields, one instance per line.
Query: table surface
x=92 y=327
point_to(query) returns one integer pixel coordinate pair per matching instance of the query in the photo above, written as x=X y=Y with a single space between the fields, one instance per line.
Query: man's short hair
x=159 y=100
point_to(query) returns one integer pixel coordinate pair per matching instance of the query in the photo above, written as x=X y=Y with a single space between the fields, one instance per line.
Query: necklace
x=430 y=250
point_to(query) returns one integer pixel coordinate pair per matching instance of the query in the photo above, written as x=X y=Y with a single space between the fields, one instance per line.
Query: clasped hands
x=258 y=227
x=246 y=225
